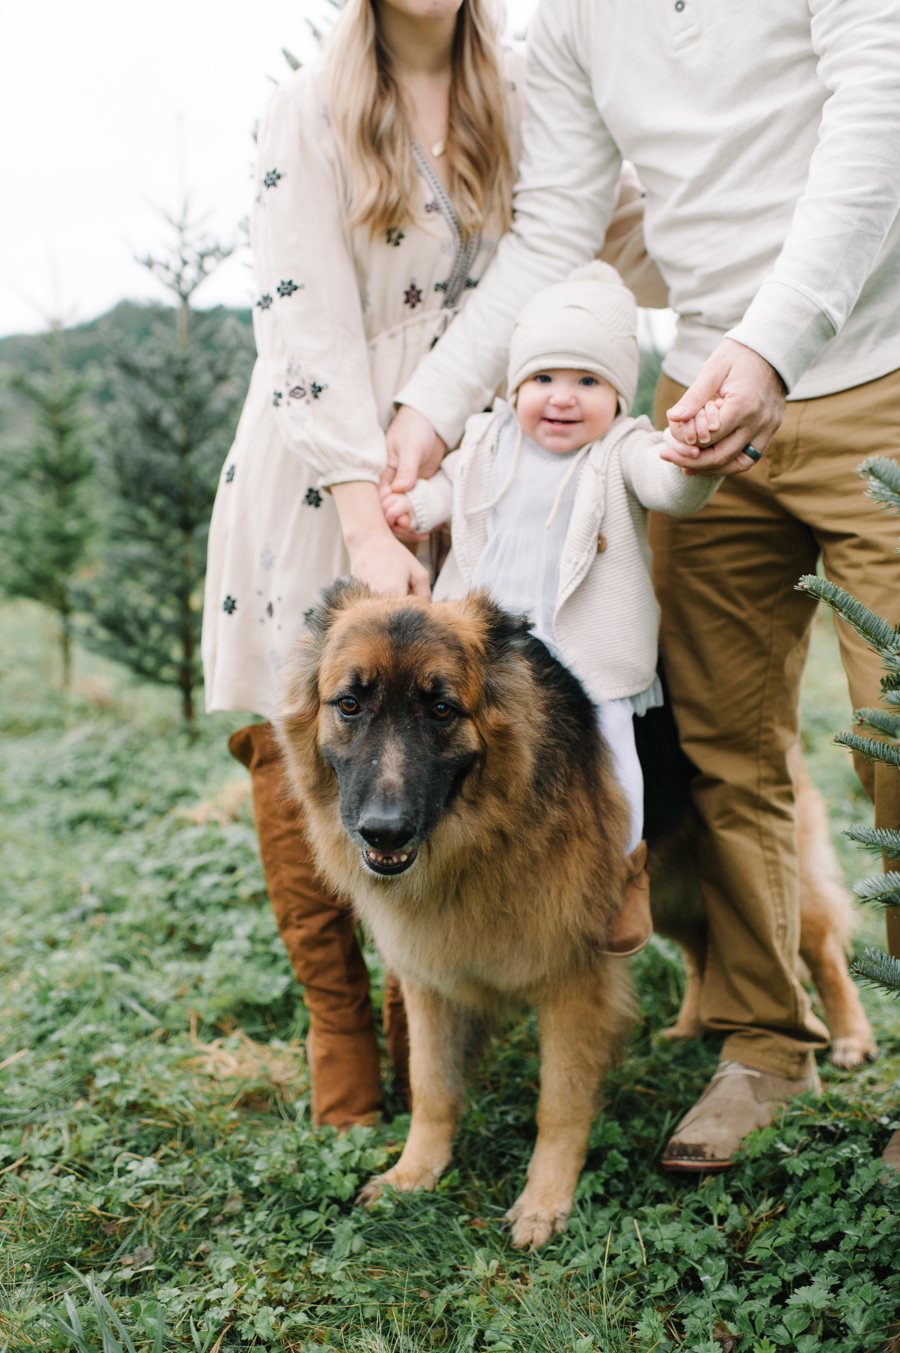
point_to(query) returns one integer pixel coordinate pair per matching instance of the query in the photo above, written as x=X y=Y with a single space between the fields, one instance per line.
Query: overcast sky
x=109 y=110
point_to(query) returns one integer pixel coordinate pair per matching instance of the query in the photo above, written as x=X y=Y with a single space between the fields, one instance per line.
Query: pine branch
x=881 y=888
x=869 y=748
x=888 y=724
x=878 y=969
x=876 y=631
x=883 y=479
x=883 y=839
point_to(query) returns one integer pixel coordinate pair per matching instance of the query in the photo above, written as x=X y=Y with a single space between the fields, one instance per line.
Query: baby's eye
x=588 y=380
x=542 y=378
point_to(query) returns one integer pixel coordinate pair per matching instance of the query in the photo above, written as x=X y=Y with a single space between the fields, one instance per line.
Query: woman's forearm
x=376 y=556
x=359 y=508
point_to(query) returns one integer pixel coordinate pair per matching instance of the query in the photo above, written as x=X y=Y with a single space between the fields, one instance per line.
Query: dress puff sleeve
x=308 y=317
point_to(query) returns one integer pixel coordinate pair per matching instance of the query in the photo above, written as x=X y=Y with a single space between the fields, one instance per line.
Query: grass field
x=158 y=1166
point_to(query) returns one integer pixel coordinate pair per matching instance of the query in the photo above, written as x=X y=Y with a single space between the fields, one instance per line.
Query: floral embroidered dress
x=341 y=320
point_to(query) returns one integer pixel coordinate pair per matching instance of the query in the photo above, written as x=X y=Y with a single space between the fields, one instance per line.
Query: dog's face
x=399 y=687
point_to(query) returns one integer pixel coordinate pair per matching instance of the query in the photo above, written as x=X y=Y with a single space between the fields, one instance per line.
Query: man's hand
x=752 y=407
x=414 y=450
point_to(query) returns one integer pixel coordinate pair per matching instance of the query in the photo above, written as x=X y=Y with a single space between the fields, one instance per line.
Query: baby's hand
x=397 y=510
x=704 y=424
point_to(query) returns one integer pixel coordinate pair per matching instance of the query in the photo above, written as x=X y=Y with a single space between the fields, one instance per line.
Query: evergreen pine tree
x=46 y=514
x=176 y=401
x=880 y=969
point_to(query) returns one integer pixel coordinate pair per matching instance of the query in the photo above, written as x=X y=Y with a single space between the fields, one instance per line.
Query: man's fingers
x=712 y=459
x=705 y=388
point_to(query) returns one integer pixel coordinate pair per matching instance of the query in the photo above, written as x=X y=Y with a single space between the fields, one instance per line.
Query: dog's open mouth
x=389 y=861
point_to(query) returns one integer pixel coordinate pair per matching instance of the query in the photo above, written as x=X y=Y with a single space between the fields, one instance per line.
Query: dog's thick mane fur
x=515 y=885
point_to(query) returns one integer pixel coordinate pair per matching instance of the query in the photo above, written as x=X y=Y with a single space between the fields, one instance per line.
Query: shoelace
x=733 y=1069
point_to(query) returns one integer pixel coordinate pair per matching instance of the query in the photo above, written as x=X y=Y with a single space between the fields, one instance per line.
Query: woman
x=384 y=181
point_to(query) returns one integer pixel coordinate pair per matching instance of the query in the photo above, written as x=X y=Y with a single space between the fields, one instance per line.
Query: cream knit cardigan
x=607 y=617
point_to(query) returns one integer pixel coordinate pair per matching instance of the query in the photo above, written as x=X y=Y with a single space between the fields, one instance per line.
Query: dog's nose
x=385 y=830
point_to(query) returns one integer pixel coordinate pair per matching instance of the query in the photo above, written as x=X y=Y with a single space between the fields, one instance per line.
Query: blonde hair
x=374 y=136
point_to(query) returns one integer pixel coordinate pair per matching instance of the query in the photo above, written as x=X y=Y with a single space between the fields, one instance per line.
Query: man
x=766 y=137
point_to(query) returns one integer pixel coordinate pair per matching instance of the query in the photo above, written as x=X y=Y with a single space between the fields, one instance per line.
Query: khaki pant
x=319 y=934
x=734 y=638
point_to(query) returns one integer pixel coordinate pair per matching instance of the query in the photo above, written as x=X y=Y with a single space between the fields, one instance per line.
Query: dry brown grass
x=255 y=1074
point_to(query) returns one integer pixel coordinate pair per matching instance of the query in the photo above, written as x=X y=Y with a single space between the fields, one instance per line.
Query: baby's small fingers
x=702 y=427
x=689 y=432
x=713 y=422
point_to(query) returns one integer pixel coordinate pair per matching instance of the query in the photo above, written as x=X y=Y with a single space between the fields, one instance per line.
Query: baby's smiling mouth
x=562 y=422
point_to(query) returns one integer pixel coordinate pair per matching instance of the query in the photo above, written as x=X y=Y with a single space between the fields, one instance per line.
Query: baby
x=548 y=497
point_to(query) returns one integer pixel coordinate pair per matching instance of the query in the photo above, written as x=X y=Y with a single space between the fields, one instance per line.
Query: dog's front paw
x=849 y=1053
x=531 y=1227
x=397 y=1178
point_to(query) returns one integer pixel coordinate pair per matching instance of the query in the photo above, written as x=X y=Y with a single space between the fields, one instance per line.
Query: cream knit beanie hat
x=586 y=323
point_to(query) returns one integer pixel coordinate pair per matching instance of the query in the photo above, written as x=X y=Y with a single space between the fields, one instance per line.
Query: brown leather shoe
x=737 y=1100
x=631 y=928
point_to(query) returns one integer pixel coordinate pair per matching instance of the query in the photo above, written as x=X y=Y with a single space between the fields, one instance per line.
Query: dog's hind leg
x=582 y=1027
x=826 y=924
x=444 y=1042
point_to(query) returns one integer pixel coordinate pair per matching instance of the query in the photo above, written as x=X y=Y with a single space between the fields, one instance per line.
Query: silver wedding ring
x=752 y=452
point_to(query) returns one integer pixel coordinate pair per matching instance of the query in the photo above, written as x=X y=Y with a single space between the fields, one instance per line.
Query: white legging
x=616 y=721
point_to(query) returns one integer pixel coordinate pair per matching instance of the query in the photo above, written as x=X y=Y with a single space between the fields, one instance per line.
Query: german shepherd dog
x=456 y=788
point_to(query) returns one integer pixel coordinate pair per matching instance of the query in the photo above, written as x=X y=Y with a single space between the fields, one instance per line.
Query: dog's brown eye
x=347 y=705
x=442 y=711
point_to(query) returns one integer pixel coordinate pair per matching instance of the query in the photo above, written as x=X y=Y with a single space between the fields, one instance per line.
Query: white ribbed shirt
x=767 y=137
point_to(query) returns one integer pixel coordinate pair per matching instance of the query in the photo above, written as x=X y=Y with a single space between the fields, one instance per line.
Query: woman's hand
x=376 y=557
x=414 y=450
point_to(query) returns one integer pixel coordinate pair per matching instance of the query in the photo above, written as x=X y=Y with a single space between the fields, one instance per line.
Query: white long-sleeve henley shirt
x=767 y=137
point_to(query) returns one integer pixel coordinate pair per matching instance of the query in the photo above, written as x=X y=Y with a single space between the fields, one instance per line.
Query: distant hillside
x=85 y=345
x=90 y=342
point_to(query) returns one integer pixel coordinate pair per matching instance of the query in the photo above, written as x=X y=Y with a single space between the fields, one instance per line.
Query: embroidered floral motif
x=432 y=206
x=315 y=389
x=394 y=236
x=286 y=289
x=276 y=398
x=267 y=558
x=229 y=605
x=297 y=392
x=313 y=498
x=471 y=282
x=229 y=474
x=412 y=296
x=270 y=611
x=272 y=177
x=264 y=301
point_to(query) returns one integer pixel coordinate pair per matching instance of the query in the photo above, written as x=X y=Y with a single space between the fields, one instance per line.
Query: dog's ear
x=501 y=633
x=334 y=599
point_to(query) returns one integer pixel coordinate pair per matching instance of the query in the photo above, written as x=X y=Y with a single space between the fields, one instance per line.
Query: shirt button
x=601 y=543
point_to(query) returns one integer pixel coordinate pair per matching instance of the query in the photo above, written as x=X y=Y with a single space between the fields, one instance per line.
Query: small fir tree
x=880 y=969
x=46 y=507
x=176 y=401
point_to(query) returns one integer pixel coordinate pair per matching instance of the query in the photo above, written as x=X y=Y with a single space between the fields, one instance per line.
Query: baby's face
x=563 y=410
